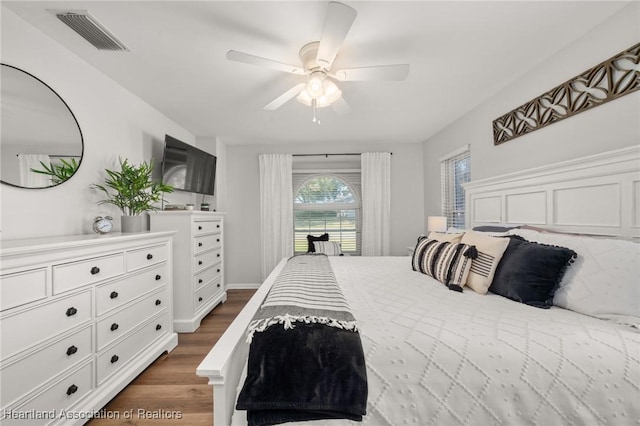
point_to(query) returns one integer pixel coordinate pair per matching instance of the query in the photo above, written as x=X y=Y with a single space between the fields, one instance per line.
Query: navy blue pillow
x=311 y=238
x=491 y=228
x=531 y=272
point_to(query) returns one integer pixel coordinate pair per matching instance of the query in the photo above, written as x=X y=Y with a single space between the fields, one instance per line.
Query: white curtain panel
x=376 y=203
x=276 y=209
x=31 y=179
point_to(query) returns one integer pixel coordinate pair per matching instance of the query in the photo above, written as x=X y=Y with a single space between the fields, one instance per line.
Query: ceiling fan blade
x=234 y=55
x=341 y=107
x=337 y=23
x=285 y=97
x=380 y=73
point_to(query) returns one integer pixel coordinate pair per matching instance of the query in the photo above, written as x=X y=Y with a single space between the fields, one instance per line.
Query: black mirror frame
x=74 y=119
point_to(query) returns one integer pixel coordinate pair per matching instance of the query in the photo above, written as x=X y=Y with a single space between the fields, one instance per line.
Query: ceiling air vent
x=82 y=22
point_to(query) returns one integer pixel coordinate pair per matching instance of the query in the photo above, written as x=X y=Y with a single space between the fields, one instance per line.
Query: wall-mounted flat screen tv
x=188 y=168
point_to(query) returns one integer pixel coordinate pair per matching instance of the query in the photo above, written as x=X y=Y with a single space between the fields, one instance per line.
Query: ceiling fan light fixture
x=304 y=98
x=324 y=100
x=331 y=91
x=320 y=89
x=315 y=86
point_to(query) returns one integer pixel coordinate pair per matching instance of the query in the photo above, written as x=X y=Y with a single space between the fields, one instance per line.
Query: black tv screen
x=188 y=168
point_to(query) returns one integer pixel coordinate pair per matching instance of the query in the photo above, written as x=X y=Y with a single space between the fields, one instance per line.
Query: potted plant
x=134 y=192
x=59 y=172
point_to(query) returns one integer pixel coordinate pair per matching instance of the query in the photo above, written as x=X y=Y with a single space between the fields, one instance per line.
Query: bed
x=441 y=357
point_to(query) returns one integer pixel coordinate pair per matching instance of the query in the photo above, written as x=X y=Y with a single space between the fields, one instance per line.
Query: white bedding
x=438 y=357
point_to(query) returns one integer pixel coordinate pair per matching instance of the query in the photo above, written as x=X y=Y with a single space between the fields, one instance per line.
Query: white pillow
x=490 y=250
x=330 y=248
x=445 y=237
x=603 y=282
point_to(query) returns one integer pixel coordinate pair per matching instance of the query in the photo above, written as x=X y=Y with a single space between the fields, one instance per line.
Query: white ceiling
x=460 y=53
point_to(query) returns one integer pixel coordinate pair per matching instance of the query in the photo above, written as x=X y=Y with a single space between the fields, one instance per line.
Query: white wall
x=242 y=226
x=615 y=124
x=113 y=121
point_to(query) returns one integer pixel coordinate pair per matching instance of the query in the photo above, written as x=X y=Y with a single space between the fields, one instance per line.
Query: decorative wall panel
x=488 y=209
x=594 y=205
x=529 y=208
x=609 y=80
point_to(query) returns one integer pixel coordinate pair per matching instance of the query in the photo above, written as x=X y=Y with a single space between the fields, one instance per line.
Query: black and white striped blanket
x=305 y=291
x=312 y=367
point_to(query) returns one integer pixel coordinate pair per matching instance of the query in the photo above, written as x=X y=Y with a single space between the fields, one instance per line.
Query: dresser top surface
x=28 y=245
x=186 y=213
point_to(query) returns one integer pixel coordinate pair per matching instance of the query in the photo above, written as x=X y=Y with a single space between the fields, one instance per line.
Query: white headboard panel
x=599 y=195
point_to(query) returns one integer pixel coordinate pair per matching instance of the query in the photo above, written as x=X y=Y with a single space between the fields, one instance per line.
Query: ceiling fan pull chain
x=315 y=119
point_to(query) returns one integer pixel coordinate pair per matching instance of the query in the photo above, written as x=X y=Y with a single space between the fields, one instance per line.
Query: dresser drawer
x=205 y=260
x=137 y=259
x=206 y=242
x=207 y=227
x=111 y=295
x=206 y=276
x=24 y=376
x=121 y=322
x=112 y=359
x=32 y=326
x=59 y=397
x=206 y=293
x=22 y=287
x=77 y=274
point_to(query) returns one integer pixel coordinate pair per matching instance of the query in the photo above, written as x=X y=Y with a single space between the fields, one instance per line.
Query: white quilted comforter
x=438 y=357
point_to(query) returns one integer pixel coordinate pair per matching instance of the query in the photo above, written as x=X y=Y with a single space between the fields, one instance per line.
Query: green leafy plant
x=132 y=189
x=58 y=172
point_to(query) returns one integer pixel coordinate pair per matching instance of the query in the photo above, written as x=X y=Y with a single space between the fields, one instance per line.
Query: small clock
x=103 y=225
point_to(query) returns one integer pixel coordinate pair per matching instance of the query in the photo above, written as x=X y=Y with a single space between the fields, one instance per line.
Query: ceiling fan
x=320 y=89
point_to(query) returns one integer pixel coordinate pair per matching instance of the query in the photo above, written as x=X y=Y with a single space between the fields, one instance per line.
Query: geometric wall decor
x=609 y=80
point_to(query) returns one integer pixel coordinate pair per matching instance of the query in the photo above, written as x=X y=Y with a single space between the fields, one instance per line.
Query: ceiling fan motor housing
x=309 y=55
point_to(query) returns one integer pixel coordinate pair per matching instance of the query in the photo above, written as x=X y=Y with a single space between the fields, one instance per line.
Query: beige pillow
x=490 y=250
x=445 y=238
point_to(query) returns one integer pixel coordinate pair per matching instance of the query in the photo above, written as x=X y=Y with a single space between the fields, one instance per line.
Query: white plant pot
x=137 y=223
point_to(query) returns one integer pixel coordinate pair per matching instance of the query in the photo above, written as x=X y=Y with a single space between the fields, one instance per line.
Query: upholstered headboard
x=598 y=194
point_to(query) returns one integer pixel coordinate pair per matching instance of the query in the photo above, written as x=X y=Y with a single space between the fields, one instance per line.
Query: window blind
x=334 y=210
x=455 y=170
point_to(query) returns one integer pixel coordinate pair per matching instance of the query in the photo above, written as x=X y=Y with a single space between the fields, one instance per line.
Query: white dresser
x=198 y=256
x=80 y=317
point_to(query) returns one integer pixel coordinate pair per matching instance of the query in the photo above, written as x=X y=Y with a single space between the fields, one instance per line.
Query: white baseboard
x=242 y=286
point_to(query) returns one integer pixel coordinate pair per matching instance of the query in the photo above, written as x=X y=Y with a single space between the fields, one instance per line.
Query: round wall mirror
x=40 y=140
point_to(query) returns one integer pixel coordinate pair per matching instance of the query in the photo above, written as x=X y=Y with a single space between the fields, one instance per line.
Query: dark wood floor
x=169 y=388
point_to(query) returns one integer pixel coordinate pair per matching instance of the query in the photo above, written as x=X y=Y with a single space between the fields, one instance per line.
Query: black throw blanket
x=304 y=367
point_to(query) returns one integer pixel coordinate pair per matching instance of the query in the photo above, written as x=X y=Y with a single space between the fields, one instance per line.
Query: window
x=327 y=203
x=455 y=170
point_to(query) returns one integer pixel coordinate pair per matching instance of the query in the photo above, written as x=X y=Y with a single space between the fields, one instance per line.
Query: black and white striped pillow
x=447 y=262
x=489 y=252
x=330 y=248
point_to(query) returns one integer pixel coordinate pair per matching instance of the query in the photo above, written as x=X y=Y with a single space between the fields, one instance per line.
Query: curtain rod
x=58 y=155
x=326 y=155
